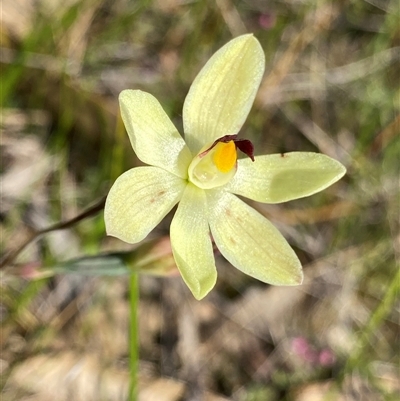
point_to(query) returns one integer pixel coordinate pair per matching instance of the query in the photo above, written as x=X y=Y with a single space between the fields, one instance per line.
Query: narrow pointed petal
x=251 y=243
x=154 y=138
x=191 y=243
x=222 y=94
x=139 y=199
x=284 y=177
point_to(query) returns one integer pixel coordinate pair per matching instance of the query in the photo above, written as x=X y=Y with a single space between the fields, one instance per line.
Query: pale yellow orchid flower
x=202 y=173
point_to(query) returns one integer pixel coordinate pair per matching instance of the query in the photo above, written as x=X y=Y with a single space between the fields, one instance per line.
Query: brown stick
x=36 y=234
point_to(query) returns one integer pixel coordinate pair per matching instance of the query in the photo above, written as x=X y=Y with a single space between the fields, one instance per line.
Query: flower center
x=225 y=156
x=216 y=164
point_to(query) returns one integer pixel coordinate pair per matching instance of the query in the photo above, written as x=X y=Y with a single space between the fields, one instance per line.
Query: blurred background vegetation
x=331 y=86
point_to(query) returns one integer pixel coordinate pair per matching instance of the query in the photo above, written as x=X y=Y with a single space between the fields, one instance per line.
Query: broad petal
x=250 y=242
x=222 y=94
x=139 y=199
x=154 y=138
x=283 y=177
x=191 y=243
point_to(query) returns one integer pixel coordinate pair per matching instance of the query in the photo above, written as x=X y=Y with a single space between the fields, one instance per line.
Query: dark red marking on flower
x=282 y=155
x=244 y=145
x=225 y=139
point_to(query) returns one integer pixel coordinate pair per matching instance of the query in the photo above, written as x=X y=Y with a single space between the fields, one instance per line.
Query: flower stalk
x=133 y=334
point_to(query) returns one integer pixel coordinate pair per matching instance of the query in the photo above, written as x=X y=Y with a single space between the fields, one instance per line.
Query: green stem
x=134 y=340
x=375 y=320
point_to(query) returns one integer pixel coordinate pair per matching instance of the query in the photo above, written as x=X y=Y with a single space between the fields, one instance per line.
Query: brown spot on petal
x=158 y=195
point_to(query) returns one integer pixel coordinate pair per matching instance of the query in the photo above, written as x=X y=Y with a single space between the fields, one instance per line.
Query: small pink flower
x=30 y=271
x=300 y=346
x=326 y=357
x=267 y=21
x=303 y=349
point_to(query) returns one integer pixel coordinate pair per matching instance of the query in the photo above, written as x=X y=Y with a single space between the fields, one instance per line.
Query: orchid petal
x=154 y=138
x=191 y=243
x=139 y=199
x=283 y=177
x=222 y=94
x=250 y=242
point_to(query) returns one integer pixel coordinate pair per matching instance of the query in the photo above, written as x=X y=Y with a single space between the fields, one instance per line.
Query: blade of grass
x=375 y=320
x=134 y=340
